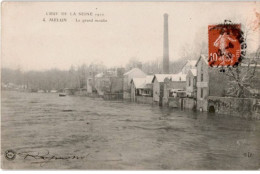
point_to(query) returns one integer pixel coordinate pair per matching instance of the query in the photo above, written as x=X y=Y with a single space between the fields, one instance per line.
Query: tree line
x=53 y=79
x=76 y=76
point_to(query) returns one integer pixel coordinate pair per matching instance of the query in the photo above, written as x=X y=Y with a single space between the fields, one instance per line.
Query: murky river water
x=121 y=135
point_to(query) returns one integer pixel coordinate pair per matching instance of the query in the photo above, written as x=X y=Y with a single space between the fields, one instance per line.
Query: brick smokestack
x=165 y=45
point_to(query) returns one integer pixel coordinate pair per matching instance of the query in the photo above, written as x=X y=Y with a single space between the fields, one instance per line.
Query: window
x=201 y=93
x=189 y=81
x=201 y=77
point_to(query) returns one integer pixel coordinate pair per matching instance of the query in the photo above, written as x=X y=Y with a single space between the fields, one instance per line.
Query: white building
x=159 y=81
x=191 y=80
x=141 y=87
x=128 y=76
x=191 y=64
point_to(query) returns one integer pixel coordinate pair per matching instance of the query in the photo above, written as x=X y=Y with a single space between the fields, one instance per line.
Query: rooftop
x=203 y=57
x=142 y=82
x=133 y=70
x=173 y=77
x=193 y=71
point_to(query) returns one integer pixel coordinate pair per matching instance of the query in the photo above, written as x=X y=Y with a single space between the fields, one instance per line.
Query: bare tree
x=242 y=74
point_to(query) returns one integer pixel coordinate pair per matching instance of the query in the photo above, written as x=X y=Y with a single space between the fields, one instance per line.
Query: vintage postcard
x=130 y=85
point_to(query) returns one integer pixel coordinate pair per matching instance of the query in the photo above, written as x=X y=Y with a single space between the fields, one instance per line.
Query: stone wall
x=182 y=103
x=116 y=84
x=81 y=93
x=189 y=103
x=113 y=96
x=174 y=102
x=144 y=99
x=127 y=95
x=240 y=107
x=156 y=90
x=202 y=103
x=218 y=82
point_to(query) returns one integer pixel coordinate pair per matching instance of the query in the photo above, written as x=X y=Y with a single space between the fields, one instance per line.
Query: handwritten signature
x=46 y=157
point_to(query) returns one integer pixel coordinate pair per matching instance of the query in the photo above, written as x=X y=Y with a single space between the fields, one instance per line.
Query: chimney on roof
x=165 y=45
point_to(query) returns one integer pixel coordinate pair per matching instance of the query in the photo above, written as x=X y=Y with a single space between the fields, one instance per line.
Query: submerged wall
x=240 y=107
x=144 y=99
x=189 y=103
x=113 y=96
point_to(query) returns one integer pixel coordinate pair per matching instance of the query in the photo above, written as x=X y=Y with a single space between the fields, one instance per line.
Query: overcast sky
x=132 y=30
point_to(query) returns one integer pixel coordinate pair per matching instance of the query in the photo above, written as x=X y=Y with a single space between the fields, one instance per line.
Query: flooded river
x=89 y=133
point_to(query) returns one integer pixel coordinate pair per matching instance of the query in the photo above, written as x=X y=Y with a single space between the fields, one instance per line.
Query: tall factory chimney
x=165 y=46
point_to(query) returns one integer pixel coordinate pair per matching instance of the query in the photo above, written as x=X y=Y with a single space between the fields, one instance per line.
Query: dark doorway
x=211 y=109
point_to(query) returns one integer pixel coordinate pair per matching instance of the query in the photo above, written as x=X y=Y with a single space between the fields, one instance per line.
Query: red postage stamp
x=224 y=45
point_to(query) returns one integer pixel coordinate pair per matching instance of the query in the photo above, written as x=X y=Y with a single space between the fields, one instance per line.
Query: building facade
x=162 y=83
x=202 y=83
x=128 y=76
x=158 y=87
x=191 y=80
x=141 y=87
x=172 y=88
x=210 y=82
x=190 y=64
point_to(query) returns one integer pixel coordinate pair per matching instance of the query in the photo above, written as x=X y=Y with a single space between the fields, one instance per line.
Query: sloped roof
x=142 y=82
x=139 y=82
x=173 y=77
x=134 y=70
x=189 y=62
x=178 y=77
x=161 y=77
x=203 y=57
x=149 y=79
x=193 y=72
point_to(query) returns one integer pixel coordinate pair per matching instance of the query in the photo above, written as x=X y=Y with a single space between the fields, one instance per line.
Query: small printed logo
x=10 y=155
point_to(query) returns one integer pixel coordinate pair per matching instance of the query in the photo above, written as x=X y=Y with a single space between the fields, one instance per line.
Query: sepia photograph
x=130 y=85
